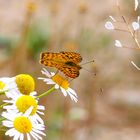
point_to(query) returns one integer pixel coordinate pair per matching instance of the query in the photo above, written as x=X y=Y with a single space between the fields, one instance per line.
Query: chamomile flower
x=6 y=84
x=60 y=83
x=19 y=125
x=20 y=84
x=20 y=103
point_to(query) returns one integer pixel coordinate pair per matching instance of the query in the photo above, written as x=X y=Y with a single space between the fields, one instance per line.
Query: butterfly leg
x=56 y=72
x=70 y=80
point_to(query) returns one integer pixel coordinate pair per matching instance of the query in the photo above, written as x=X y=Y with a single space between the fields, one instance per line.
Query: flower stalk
x=46 y=93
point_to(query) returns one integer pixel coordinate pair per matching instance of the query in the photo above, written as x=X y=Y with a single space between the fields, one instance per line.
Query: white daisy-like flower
x=60 y=83
x=20 y=84
x=6 y=84
x=109 y=25
x=118 y=43
x=19 y=125
x=20 y=103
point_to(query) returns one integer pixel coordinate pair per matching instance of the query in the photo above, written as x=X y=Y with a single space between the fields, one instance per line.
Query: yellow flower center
x=60 y=81
x=23 y=124
x=24 y=102
x=2 y=85
x=25 y=83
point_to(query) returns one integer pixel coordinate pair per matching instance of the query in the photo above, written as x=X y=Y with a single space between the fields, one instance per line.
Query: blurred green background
x=109 y=103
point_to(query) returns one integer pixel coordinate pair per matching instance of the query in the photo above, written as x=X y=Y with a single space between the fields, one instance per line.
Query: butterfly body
x=66 y=62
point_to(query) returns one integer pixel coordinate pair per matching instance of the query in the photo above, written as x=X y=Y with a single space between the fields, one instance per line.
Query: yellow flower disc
x=24 y=102
x=23 y=124
x=25 y=83
x=2 y=85
x=60 y=81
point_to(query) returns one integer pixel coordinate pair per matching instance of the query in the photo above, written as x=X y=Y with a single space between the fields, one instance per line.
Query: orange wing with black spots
x=70 y=71
x=71 y=56
x=66 y=62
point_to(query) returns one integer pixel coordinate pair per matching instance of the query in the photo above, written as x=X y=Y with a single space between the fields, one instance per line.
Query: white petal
x=50 y=82
x=56 y=86
x=136 y=4
x=7 y=123
x=39 y=132
x=44 y=79
x=135 y=25
x=39 y=126
x=36 y=135
x=109 y=25
x=39 y=112
x=9 y=116
x=112 y=18
x=16 y=137
x=21 y=136
x=33 y=136
x=11 y=132
x=13 y=112
x=28 y=136
x=72 y=91
x=45 y=72
x=52 y=74
x=9 y=101
x=28 y=111
x=118 y=43
x=5 y=79
x=63 y=91
x=33 y=119
x=33 y=93
x=41 y=107
x=39 y=119
x=12 y=107
x=72 y=97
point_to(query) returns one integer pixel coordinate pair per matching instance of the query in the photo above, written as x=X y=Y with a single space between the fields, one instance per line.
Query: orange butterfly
x=66 y=62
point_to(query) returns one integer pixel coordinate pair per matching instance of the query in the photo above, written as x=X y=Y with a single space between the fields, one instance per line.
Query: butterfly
x=66 y=62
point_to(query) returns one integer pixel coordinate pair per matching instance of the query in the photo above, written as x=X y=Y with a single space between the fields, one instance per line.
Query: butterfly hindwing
x=70 y=71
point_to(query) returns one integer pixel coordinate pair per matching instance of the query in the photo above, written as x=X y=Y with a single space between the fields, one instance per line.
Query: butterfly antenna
x=89 y=71
x=87 y=62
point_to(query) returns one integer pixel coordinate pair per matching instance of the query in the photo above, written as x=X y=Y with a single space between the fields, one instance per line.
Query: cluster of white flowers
x=21 y=109
x=21 y=113
x=132 y=27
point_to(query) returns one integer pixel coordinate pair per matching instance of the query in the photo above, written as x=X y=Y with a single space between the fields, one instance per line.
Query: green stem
x=46 y=93
x=1 y=106
x=2 y=119
x=3 y=92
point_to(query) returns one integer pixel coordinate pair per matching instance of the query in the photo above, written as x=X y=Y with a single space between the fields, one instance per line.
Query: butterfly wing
x=59 y=61
x=70 y=71
x=50 y=59
x=71 y=56
x=53 y=59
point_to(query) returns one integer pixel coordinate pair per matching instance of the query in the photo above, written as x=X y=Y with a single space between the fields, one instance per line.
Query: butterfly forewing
x=71 y=56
